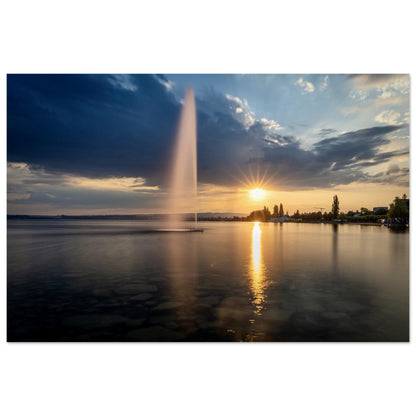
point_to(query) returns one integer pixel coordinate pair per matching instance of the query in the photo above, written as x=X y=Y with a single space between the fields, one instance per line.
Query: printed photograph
x=208 y=207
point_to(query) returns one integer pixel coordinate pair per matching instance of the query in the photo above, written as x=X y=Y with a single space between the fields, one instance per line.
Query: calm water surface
x=102 y=280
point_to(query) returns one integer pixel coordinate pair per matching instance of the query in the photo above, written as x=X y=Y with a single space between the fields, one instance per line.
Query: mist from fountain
x=183 y=190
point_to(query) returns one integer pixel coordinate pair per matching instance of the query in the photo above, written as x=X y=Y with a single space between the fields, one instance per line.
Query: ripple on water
x=167 y=306
x=135 y=288
x=142 y=297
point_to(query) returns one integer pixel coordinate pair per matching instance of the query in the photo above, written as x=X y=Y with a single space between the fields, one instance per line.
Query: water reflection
x=182 y=281
x=335 y=271
x=257 y=271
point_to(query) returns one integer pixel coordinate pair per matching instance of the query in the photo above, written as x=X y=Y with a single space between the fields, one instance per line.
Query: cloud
x=28 y=186
x=377 y=80
x=396 y=175
x=246 y=116
x=241 y=108
x=397 y=90
x=392 y=117
x=386 y=89
x=122 y=81
x=359 y=94
x=16 y=196
x=350 y=147
x=270 y=124
x=389 y=117
x=326 y=132
x=324 y=83
x=165 y=82
x=21 y=175
x=307 y=86
x=392 y=169
x=394 y=100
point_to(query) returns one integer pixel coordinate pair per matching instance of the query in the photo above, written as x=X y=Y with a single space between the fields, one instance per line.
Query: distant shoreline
x=140 y=217
x=161 y=217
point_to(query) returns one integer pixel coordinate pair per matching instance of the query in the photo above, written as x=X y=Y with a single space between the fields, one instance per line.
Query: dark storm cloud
x=91 y=125
x=100 y=126
x=333 y=161
x=354 y=146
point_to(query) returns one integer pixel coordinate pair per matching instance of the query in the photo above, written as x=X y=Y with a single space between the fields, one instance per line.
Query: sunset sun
x=257 y=193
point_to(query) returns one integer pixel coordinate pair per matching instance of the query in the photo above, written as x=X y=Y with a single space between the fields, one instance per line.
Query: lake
x=122 y=280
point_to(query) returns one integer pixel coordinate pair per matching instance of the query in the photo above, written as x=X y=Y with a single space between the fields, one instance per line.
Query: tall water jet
x=183 y=190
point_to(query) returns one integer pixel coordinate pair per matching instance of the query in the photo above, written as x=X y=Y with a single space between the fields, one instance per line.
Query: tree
x=328 y=216
x=399 y=209
x=266 y=213
x=335 y=207
x=275 y=211
x=381 y=211
x=256 y=216
x=296 y=215
x=365 y=211
x=281 y=213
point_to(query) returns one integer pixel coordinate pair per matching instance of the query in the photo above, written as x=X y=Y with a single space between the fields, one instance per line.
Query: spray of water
x=184 y=174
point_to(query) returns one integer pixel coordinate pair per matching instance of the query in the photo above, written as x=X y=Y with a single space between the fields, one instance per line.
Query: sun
x=257 y=193
x=255 y=183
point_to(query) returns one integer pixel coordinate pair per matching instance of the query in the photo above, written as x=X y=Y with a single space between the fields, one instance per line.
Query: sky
x=103 y=144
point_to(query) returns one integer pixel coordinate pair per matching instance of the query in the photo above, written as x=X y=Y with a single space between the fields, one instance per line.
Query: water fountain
x=183 y=192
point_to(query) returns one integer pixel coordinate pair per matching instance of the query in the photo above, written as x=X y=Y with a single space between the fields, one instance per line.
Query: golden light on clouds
x=21 y=174
x=110 y=184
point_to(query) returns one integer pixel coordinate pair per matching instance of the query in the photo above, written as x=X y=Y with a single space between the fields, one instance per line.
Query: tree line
x=278 y=212
x=265 y=214
x=398 y=211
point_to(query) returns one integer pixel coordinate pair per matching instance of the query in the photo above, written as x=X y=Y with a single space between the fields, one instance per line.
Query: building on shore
x=375 y=209
x=282 y=219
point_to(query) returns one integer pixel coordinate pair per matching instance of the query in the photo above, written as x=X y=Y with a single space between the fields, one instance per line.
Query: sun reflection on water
x=257 y=271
